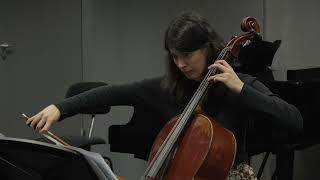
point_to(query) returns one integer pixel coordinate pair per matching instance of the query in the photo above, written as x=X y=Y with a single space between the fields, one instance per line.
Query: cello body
x=206 y=150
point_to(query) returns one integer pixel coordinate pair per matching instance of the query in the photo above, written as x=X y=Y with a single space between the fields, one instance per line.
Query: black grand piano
x=301 y=89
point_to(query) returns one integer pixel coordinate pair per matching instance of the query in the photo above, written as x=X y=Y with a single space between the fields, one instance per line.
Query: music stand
x=33 y=160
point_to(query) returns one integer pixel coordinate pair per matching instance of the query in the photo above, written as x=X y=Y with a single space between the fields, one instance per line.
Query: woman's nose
x=180 y=62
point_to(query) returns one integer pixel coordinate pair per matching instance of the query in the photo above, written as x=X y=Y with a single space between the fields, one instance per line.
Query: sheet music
x=97 y=163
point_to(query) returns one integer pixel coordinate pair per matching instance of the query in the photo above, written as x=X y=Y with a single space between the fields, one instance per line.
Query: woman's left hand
x=226 y=76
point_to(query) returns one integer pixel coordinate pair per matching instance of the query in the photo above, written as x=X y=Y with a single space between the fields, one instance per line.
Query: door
x=46 y=37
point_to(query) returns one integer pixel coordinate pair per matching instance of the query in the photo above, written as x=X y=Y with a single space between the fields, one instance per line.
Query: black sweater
x=153 y=108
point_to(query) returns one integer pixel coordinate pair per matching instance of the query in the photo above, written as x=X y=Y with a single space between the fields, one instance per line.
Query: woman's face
x=192 y=64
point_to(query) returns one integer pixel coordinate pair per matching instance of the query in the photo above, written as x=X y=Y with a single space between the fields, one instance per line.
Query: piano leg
x=284 y=165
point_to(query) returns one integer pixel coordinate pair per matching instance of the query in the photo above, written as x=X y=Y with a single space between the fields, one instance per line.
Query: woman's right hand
x=42 y=121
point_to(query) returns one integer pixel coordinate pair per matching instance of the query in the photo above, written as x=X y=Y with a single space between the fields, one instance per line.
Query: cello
x=194 y=145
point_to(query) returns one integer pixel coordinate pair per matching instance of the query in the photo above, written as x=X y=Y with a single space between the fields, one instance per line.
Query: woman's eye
x=174 y=56
x=187 y=54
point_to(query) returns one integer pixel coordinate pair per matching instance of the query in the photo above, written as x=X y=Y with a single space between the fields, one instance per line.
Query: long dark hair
x=186 y=33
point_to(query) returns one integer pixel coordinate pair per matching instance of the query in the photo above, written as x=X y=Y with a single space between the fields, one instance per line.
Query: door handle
x=5 y=50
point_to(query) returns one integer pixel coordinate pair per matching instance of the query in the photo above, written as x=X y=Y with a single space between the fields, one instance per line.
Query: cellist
x=192 y=46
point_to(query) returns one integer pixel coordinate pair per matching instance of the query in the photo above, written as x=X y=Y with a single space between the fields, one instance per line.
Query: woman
x=192 y=48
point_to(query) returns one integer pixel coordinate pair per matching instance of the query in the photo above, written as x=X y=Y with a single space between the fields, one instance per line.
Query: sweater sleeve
x=104 y=96
x=258 y=98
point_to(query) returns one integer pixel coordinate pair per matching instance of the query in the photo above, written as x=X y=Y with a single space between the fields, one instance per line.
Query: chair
x=85 y=141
